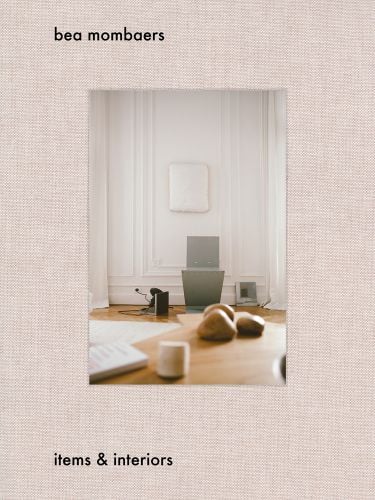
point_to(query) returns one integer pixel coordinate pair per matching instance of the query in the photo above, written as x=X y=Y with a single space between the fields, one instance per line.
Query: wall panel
x=148 y=130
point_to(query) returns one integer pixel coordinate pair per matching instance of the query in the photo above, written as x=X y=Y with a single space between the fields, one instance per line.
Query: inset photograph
x=187 y=237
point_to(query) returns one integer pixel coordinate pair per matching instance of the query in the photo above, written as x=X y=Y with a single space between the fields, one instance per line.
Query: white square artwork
x=188 y=187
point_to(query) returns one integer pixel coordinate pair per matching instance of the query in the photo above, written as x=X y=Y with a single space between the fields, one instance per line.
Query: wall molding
x=226 y=158
x=263 y=124
x=228 y=153
x=265 y=183
x=113 y=282
x=132 y=154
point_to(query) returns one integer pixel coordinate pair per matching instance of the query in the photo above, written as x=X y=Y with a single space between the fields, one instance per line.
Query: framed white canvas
x=188 y=187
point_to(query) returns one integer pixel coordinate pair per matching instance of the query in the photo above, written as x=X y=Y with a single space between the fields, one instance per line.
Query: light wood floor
x=113 y=313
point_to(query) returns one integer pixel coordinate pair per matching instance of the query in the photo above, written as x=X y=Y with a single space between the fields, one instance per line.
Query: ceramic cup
x=173 y=359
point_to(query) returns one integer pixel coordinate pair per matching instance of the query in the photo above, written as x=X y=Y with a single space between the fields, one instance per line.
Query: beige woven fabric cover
x=314 y=438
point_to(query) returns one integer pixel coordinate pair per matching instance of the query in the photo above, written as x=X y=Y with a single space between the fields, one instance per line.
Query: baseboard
x=176 y=298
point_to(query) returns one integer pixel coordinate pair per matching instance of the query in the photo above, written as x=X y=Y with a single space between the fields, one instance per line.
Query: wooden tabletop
x=239 y=361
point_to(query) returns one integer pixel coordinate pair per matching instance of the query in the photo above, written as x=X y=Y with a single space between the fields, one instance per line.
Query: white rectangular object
x=113 y=358
x=188 y=187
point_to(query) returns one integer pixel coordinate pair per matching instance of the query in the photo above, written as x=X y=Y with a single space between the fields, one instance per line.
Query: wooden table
x=239 y=361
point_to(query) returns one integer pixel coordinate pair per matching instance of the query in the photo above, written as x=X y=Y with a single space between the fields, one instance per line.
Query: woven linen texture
x=311 y=439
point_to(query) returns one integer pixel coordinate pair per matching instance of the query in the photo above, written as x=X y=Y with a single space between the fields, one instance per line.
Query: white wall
x=146 y=241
